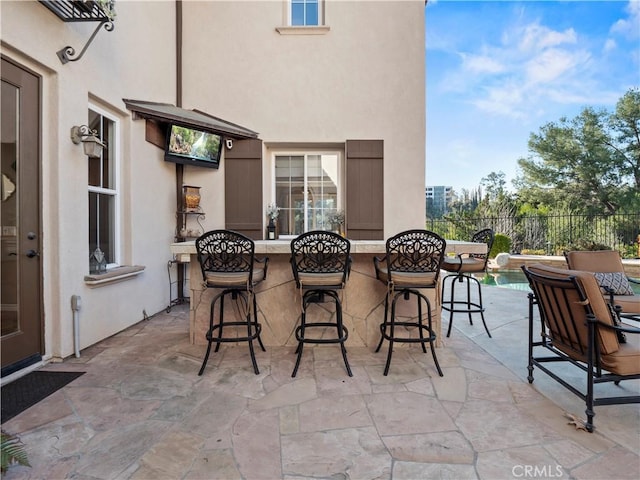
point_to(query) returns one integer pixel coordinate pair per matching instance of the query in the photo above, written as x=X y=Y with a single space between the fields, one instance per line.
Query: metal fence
x=552 y=234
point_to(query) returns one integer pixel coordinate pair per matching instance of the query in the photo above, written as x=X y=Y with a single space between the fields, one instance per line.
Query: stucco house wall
x=136 y=59
x=362 y=78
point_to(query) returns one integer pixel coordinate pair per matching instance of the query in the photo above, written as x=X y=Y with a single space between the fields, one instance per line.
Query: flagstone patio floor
x=141 y=412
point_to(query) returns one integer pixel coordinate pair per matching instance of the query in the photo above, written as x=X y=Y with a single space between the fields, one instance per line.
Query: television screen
x=190 y=146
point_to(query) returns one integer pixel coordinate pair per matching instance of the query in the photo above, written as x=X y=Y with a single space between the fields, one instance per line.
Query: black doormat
x=26 y=391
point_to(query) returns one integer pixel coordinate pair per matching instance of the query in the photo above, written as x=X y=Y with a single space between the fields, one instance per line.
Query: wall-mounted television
x=190 y=146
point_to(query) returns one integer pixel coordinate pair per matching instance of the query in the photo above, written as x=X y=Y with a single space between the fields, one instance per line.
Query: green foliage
x=589 y=164
x=11 y=451
x=529 y=251
x=501 y=243
x=587 y=245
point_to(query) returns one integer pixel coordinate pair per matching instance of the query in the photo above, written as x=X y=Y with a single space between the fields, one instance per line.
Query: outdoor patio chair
x=461 y=268
x=577 y=327
x=609 y=272
x=412 y=262
x=320 y=262
x=228 y=263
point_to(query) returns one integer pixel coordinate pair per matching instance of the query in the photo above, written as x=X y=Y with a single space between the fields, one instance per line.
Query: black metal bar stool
x=462 y=268
x=320 y=262
x=228 y=263
x=412 y=262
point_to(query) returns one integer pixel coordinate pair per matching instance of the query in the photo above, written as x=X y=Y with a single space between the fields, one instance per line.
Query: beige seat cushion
x=469 y=265
x=233 y=279
x=608 y=339
x=407 y=279
x=308 y=280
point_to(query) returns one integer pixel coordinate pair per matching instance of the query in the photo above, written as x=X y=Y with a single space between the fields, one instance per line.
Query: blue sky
x=499 y=70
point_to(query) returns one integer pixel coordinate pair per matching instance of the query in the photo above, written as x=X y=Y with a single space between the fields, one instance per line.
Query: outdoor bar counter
x=279 y=302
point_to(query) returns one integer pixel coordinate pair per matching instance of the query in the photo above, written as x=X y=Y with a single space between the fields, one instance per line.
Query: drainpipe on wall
x=179 y=167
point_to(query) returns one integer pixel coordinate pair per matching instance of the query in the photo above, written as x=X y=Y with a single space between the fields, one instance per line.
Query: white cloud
x=609 y=45
x=552 y=64
x=629 y=27
x=482 y=64
x=535 y=37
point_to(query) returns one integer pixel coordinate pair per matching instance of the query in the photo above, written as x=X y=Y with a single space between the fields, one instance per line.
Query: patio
x=140 y=411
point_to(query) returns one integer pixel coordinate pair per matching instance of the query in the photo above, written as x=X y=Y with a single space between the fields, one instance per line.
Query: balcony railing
x=77 y=10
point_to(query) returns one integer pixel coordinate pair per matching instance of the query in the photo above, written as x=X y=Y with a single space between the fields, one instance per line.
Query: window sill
x=319 y=30
x=114 y=275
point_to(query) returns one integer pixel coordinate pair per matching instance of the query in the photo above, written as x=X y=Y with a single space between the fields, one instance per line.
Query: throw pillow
x=616 y=281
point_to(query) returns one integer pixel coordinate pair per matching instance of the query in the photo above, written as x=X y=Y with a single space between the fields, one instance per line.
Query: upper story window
x=306 y=13
x=103 y=190
x=308 y=187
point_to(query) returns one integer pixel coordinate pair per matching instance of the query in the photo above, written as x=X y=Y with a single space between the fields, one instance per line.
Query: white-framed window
x=306 y=13
x=103 y=183
x=308 y=189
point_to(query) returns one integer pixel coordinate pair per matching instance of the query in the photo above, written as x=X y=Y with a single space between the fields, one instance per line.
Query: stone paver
x=141 y=411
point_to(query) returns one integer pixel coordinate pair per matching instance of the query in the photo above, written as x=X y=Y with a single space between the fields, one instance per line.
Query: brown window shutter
x=243 y=188
x=365 y=182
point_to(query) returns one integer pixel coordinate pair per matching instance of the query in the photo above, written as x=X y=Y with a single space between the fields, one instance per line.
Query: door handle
x=32 y=253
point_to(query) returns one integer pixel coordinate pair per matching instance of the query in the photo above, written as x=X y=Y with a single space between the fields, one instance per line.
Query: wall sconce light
x=90 y=142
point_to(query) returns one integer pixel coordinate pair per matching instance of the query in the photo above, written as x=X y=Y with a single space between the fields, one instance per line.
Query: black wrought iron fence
x=551 y=234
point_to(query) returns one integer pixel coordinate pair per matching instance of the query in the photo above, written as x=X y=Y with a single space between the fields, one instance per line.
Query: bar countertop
x=183 y=250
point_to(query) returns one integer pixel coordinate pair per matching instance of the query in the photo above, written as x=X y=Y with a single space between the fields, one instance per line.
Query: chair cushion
x=626 y=361
x=407 y=279
x=628 y=303
x=469 y=265
x=233 y=279
x=616 y=281
x=595 y=260
x=309 y=280
x=608 y=339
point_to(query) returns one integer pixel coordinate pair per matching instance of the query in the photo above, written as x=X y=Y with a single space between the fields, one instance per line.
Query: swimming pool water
x=512 y=279
x=516 y=280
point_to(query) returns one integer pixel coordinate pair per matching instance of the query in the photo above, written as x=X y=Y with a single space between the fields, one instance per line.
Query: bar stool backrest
x=320 y=258
x=225 y=257
x=487 y=236
x=417 y=252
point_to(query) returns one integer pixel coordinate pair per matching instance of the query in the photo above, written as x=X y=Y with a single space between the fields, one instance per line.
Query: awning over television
x=167 y=113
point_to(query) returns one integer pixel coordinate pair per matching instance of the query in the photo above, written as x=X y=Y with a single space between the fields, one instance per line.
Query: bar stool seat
x=461 y=268
x=228 y=263
x=320 y=262
x=412 y=262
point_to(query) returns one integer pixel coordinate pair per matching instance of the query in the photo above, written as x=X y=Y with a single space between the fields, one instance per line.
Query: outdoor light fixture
x=91 y=143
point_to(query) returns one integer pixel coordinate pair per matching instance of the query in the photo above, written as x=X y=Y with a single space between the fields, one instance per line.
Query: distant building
x=438 y=199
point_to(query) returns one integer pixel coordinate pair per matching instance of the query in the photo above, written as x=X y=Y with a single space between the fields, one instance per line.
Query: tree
x=493 y=185
x=590 y=164
x=625 y=122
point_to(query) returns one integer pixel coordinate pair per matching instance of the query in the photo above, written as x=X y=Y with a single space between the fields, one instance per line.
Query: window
x=307 y=191
x=306 y=13
x=103 y=191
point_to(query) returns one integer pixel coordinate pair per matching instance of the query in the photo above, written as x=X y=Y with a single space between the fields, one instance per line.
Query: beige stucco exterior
x=360 y=78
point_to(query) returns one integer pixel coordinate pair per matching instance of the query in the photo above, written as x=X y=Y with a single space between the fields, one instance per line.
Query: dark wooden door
x=20 y=268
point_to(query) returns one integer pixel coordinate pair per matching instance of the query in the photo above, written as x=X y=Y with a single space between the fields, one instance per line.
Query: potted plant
x=337 y=221
x=272 y=212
